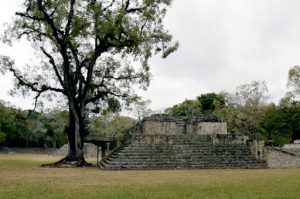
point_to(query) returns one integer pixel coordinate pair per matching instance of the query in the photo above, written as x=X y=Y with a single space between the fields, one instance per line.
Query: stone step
x=185 y=157
x=181 y=156
x=180 y=166
x=214 y=164
x=184 y=151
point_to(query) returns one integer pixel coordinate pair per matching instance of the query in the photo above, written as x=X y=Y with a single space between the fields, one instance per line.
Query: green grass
x=21 y=177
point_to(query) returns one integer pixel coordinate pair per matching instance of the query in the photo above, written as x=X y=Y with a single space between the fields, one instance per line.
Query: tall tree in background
x=294 y=79
x=139 y=108
x=245 y=108
x=92 y=53
x=281 y=123
x=209 y=101
x=186 y=108
x=110 y=125
x=6 y=120
x=204 y=104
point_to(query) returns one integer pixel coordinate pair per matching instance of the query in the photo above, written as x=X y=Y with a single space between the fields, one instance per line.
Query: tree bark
x=75 y=134
x=75 y=137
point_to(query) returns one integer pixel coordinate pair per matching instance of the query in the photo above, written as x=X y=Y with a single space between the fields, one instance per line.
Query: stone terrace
x=163 y=142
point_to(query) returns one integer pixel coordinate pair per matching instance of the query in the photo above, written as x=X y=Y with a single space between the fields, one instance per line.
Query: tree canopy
x=294 y=79
x=204 y=104
x=209 y=102
x=91 y=52
x=245 y=108
x=186 y=108
x=43 y=130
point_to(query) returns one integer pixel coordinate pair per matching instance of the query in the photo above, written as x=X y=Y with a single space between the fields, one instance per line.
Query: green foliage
x=204 y=104
x=93 y=52
x=20 y=129
x=209 y=102
x=110 y=125
x=139 y=107
x=186 y=108
x=294 y=79
x=245 y=109
x=247 y=112
x=54 y=125
x=282 y=122
x=2 y=137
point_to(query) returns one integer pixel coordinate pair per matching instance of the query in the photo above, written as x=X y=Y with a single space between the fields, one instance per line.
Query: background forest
x=248 y=111
x=19 y=128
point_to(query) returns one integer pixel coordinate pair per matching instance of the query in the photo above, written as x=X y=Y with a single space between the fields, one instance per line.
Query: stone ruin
x=286 y=156
x=163 y=124
x=164 y=142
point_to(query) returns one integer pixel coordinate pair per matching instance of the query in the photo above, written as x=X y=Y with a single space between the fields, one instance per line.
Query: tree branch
x=99 y=95
x=33 y=86
x=127 y=4
x=35 y=18
x=110 y=5
x=99 y=49
x=50 y=21
x=133 y=10
x=70 y=17
x=52 y=62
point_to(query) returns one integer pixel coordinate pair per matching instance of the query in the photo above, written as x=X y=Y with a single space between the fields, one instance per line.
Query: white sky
x=223 y=44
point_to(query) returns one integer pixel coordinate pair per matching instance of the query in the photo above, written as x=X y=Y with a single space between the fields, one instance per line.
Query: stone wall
x=277 y=158
x=160 y=127
x=205 y=128
x=257 y=148
x=292 y=148
x=167 y=125
x=229 y=139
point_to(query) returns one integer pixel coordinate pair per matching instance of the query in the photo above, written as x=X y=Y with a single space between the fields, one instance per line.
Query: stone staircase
x=180 y=151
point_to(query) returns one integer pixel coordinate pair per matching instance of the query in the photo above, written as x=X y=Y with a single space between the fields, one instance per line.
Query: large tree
x=186 y=108
x=92 y=52
x=209 y=101
x=294 y=80
x=244 y=109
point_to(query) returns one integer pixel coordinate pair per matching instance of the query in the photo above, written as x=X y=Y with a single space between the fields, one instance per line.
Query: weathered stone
x=296 y=141
x=278 y=158
x=257 y=148
x=165 y=142
x=165 y=124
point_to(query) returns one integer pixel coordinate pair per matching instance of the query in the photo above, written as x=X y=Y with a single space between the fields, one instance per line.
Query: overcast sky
x=223 y=44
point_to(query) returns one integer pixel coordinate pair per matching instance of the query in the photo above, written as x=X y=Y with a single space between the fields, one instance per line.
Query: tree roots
x=67 y=163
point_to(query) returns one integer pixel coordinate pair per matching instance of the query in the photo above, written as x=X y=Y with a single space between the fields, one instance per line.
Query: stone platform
x=163 y=142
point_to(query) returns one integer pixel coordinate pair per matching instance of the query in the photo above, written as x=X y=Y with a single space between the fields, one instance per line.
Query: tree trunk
x=54 y=143
x=75 y=140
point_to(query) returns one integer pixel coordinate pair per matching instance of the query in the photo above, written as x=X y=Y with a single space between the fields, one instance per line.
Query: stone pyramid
x=165 y=142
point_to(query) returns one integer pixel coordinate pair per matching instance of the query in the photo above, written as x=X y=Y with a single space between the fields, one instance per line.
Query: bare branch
x=127 y=4
x=102 y=95
x=133 y=10
x=122 y=77
x=35 y=18
x=70 y=17
x=52 y=62
x=99 y=95
x=110 y=5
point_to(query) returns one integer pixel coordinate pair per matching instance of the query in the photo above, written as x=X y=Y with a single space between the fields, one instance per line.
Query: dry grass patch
x=21 y=177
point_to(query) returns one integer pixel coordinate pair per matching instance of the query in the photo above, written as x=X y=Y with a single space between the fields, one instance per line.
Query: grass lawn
x=21 y=177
